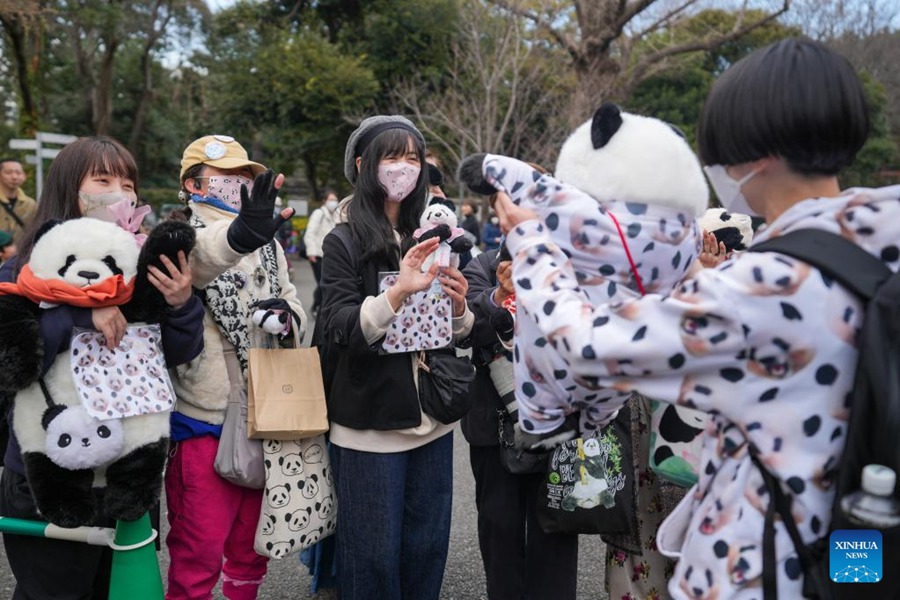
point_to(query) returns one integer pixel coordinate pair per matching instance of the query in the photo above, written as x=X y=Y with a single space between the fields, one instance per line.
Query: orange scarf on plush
x=112 y=291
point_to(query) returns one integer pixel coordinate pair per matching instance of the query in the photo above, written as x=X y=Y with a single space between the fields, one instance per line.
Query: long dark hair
x=371 y=229
x=87 y=156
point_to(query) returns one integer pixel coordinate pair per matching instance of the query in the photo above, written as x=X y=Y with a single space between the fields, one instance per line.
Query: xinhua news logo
x=856 y=556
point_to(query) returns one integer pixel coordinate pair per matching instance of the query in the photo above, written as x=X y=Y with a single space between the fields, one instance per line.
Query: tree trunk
x=102 y=95
x=15 y=31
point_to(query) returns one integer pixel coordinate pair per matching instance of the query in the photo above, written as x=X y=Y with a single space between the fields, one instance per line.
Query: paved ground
x=464 y=578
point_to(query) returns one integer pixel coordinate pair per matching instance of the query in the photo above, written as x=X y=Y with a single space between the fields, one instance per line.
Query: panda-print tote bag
x=299 y=506
x=424 y=322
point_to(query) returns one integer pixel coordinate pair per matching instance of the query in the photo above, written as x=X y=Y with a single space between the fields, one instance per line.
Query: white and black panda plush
x=622 y=206
x=67 y=453
x=735 y=230
x=438 y=220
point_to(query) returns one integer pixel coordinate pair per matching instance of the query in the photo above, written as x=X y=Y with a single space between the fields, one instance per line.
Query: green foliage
x=288 y=90
x=880 y=150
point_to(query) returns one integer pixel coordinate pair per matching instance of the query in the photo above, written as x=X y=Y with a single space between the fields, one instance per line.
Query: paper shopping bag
x=285 y=394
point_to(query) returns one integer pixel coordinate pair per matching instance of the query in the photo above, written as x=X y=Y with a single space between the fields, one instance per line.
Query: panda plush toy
x=735 y=230
x=440 y=221
x=68 y=451
x=623 y=205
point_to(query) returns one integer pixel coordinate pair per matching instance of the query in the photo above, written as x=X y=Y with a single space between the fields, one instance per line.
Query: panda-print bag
x=299 y=506
x=676 y=441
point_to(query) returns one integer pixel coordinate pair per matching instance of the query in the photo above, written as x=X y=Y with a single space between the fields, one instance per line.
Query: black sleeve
x=482 y=283
x=342 y=295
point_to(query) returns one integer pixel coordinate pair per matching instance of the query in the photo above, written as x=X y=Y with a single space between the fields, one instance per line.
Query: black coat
x=370 y=390
x=480 y=425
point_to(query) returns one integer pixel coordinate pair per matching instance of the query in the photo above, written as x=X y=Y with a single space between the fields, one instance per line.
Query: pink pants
x=210 y=518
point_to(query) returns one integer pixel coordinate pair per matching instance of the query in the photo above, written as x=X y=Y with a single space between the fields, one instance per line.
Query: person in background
x=393 y=464
x=469 y=221
x=242 y=275
x=321 y=222
x=16 y=207
x=492 y=236
x=7 y=247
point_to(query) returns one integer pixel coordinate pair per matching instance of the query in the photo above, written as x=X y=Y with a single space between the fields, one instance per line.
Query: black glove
x=255 y=226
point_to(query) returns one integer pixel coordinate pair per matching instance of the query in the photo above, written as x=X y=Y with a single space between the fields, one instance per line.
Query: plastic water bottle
x=874 y=506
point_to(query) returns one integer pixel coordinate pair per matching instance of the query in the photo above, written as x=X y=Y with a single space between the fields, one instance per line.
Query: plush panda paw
x=471 y=173
x=63 y=497
x=548 y=440
x=134 y=482
x=21 y=347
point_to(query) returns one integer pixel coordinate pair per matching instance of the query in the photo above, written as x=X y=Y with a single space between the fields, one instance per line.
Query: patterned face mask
x=227 y=189
x=399 y=179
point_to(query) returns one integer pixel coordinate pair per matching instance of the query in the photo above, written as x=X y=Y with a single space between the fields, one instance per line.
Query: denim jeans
x=394 y=523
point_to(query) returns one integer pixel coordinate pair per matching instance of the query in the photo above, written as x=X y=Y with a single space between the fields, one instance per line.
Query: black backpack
x=874 y=426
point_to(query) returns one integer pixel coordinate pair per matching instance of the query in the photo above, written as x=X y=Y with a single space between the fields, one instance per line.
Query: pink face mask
x=399 y=179
x=227 y=189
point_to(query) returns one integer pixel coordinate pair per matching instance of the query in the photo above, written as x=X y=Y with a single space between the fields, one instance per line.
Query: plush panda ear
x=606 y=123
x=47 y=226
x=50 y=414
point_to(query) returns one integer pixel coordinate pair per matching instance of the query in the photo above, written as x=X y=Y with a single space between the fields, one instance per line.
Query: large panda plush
x=623 y=206
x=69 y=453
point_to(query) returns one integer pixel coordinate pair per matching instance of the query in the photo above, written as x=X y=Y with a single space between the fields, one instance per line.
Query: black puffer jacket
x=480 y=426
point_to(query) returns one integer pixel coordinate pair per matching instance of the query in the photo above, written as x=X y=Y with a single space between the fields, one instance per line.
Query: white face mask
x=729 y=190
x=227 y=188
x=331 y=204
x=399 y=179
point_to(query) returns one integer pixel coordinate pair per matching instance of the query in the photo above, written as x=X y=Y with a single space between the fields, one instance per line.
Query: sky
x=215 y=5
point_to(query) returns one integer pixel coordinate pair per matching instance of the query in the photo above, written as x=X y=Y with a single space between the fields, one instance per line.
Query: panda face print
x=699 y=584
x=75 y=440
x=309 y=487
x=268 y=524
x=291 y=464
x=279 y=495
x=701 y=333
x=325 y=507
x=778 y=359
x=299 y=519
x=280 y=549
x=271 y=446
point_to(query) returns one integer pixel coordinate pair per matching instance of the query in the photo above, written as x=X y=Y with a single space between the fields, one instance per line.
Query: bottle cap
x=878 y=480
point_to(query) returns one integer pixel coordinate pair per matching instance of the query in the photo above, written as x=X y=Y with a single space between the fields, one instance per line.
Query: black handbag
x=444 y=380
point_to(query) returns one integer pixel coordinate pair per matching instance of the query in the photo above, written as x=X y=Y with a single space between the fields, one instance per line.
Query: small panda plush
x=440 y=221
x=67 y=452
x=735 y=230
x=622 y=206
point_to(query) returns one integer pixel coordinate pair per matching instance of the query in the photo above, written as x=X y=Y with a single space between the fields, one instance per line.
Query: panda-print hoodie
x=765 y=344
x=618 y=249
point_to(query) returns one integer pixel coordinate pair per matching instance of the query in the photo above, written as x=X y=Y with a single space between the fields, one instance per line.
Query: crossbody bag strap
x=12 y=213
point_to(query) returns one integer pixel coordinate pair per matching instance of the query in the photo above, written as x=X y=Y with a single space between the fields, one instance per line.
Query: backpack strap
x=833 y=255
x=781 y=503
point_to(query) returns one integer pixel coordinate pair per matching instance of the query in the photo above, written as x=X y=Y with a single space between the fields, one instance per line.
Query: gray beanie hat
x=367 y=131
